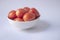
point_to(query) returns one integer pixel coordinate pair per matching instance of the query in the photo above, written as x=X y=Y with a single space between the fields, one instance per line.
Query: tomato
x=29 y=17
x=20 y=12
x=35 y=12
x=18 y=19
x=12 y=14
x=26 y=9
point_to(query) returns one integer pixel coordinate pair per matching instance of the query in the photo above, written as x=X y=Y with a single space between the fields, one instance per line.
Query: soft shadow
x=41 y=26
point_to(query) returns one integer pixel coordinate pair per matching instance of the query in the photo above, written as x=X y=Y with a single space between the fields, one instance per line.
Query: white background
x=47 y=29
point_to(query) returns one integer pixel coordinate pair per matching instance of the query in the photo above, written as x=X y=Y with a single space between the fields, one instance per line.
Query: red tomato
x=20 y=12
x=26 y=9
x=35 y=11
x=29 y=16
x=18 y=19
x=12 y=14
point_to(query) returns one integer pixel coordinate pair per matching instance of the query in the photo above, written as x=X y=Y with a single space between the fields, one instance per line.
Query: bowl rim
x=24 y=21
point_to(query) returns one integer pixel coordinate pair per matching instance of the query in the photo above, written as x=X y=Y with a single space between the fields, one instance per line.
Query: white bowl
x=23 y=25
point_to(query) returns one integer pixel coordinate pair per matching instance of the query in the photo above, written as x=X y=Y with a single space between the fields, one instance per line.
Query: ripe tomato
x=35 y=12
x=12 y=14
x=29 y=17
x=18 y=19
x=26 y=9
x=20 y=12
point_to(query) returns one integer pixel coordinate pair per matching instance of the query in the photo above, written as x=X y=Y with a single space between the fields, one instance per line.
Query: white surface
x=47 y=29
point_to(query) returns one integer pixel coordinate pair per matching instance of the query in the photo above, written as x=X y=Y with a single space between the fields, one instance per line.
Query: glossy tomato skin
x=26 y=9
x=20 y=13
x=29 y=17
x=35 y=11
x=12 y=14
x=18 y=19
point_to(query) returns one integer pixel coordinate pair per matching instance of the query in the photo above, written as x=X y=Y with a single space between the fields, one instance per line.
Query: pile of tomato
x=24 y=14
